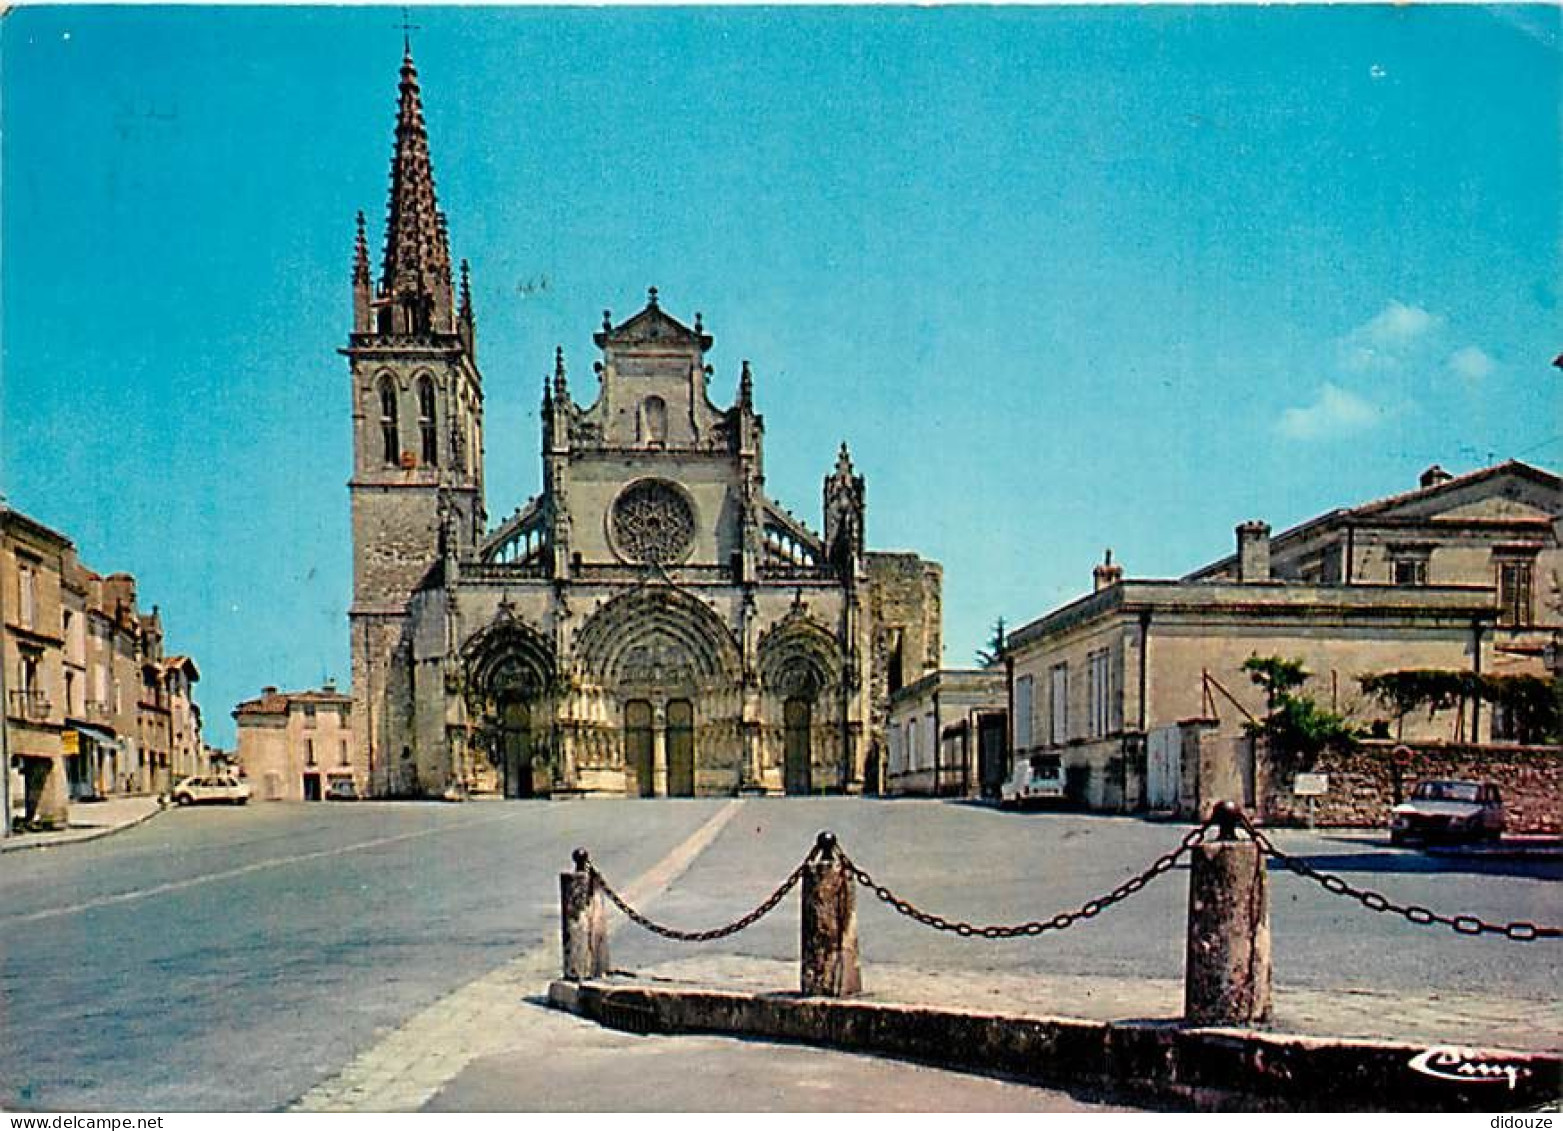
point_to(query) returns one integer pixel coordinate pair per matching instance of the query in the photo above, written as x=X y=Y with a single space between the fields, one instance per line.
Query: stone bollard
x=1227 y=976
x=830 y=962
x=584 y=922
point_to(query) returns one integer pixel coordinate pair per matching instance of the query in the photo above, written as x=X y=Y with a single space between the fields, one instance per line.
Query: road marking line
x=243 y=870
x=437 y=1043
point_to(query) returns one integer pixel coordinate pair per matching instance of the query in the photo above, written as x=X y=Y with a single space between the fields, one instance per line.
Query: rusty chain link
x=732 y=928
x=1373 y=901
x=1088 y=910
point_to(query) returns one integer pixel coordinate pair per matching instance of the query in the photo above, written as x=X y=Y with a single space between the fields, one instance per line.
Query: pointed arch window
x=390 y=442
x=426 y=421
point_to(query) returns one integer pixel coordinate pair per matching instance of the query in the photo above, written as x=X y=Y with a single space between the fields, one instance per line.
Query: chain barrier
x=1088 y=910
x=1373 y=901
x=1228 y=817
x=676 y=935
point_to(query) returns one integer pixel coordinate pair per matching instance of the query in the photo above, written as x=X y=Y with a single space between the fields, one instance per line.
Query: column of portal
x=659 y=750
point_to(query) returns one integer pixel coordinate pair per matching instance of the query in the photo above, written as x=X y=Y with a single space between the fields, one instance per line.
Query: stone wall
x=1363 y=784
x=905 y=603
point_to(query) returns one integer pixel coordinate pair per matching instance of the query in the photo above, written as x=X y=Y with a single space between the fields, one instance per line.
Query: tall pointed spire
x=416 y=267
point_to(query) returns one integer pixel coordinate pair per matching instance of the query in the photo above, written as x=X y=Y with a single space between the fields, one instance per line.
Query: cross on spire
x=408 y=27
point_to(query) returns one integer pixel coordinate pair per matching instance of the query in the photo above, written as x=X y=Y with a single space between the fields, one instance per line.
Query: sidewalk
x=89 y=820
x=1349 y=1048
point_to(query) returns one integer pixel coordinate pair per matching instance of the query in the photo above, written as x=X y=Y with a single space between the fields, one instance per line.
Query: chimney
x=1253 y=551
x=1106 y=574
x=1433 y=476
x=268 y=691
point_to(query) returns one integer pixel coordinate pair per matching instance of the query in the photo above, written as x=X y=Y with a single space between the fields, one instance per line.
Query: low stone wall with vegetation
x=1366 y=782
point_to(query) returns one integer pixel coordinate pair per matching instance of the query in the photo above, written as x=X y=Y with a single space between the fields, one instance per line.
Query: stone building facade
x=1140 y=683
x=948 y=735
x=650 y=624
x=298 y=745
x=93 y=707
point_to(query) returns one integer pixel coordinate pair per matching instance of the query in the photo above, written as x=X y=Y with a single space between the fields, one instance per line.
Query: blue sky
x=1064 y=278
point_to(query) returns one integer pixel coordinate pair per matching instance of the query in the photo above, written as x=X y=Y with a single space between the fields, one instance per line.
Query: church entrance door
x=797 y=715
x=681 y=748
x=637 y=748
x=516 y=745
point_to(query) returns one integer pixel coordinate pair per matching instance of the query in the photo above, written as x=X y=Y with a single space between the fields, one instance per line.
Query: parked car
x=1448 y=810
x=219 y=788
x=1037 y=778
x=341 y=789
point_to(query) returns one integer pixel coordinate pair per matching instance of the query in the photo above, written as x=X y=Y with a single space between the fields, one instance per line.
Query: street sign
x=1311 y=785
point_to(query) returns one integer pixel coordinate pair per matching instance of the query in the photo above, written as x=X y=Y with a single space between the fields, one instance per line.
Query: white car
x=1448 y=810
x=1037 y=778
x=218 y=788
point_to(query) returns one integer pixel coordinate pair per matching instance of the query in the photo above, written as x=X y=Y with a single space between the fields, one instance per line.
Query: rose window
x=652 y=521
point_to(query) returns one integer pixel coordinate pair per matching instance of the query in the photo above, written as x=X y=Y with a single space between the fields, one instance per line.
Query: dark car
x=1447 y=811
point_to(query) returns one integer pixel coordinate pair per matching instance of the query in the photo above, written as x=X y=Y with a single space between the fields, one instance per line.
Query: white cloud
x=1397 y=325
x=1336 y=412
x=1388 y=339
x=1471 y=364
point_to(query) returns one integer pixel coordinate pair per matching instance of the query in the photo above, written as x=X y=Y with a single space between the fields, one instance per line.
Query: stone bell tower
x=417 y=402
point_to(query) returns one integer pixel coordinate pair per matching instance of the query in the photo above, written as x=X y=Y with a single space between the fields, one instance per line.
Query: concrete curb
x=1203 y=1068
x=22 y=844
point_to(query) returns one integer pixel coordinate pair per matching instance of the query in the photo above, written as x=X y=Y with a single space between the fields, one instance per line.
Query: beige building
x=93 y=709
x=947 y=735
x=32 y=567
x=298 y=745
x=1459 y=574
x=652 y=623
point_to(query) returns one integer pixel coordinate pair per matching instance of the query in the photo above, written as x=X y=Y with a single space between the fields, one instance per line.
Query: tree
x=1532 y=705
x=993 y=654
x=1297 y=727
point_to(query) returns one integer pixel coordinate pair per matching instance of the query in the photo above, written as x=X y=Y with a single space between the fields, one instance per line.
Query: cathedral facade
x=651 y=623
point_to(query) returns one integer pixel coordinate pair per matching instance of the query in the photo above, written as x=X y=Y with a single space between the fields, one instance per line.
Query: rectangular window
x=342 y=753
x=309 y=752
x=27 y=606
x=1025 y=701
x=1514 y=576
x=911 y=744
x=1410 y=571
x=1099 y=678
x=1058 y=705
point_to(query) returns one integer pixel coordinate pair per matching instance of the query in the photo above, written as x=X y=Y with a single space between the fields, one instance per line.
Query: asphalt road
x=987 y=866
x=232 y=959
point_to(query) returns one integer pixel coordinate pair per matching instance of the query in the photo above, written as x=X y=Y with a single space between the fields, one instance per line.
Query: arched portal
x=509 y=676
x=672 y=668
x=801 y=670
